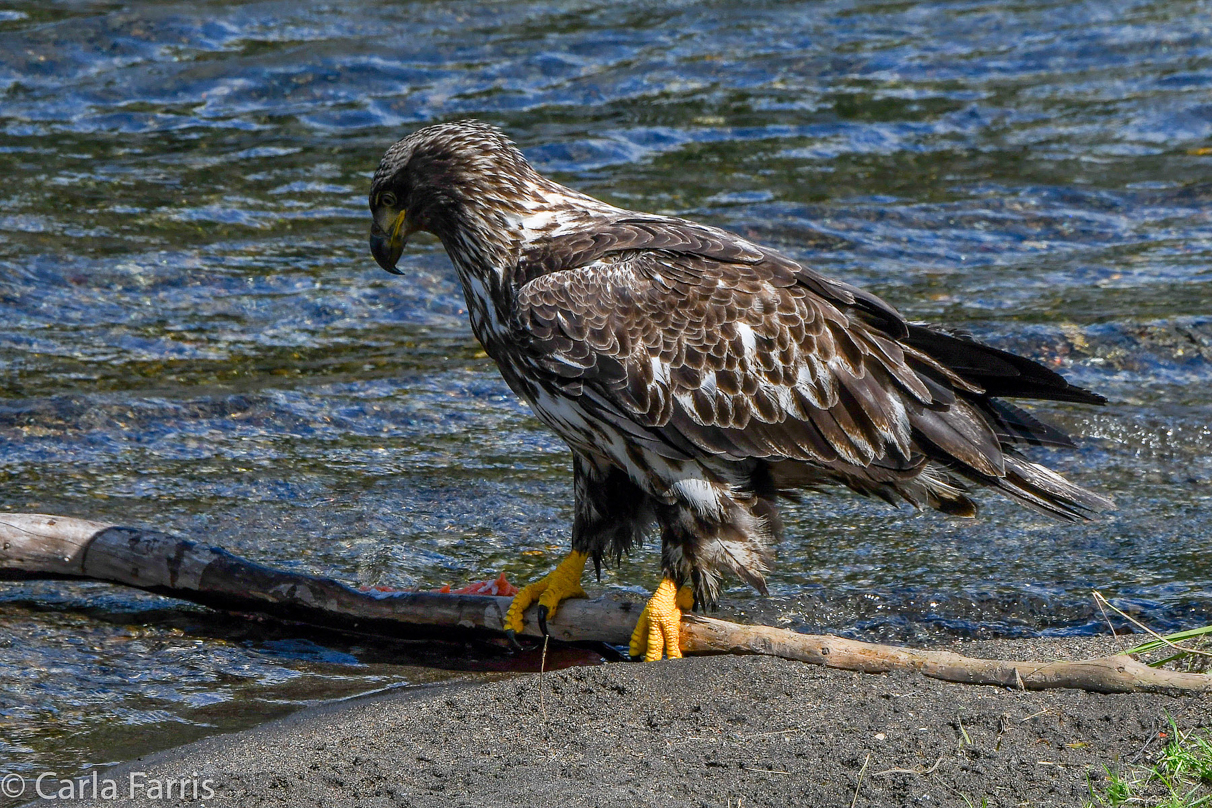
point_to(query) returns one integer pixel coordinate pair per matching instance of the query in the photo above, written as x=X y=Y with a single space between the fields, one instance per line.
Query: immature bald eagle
x=697 y=376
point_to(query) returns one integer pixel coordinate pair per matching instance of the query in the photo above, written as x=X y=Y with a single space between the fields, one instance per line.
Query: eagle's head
x=465 y=182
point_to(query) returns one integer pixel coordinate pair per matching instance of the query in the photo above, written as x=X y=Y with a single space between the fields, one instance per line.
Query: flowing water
x=193 y=336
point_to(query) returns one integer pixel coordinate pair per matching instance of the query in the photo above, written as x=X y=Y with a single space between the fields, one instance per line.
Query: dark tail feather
x=1000 y=373
x=1015 y=425
x=970 y=440
x=1044 y=490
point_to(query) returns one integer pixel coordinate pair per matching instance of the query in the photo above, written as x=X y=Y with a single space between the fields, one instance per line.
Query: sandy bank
x=704 y=731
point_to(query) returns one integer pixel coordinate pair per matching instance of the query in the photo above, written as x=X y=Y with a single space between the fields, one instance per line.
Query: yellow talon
x=658 y=632
x=561 y=583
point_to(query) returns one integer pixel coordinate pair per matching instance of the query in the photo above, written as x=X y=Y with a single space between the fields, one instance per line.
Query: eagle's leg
x=719 y=526
x=562 y=582
x=658 y=633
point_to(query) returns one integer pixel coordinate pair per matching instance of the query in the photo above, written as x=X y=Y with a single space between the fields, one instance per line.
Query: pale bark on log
x=42 y=546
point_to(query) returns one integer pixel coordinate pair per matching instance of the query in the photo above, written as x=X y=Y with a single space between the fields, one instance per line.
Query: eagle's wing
x=719 y=346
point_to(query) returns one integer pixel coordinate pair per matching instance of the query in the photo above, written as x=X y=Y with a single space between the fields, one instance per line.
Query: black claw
x=512 y=636
x=543 y=620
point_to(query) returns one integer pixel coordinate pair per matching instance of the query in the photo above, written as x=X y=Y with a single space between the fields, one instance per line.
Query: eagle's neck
x=481 y=264
x=488 y=234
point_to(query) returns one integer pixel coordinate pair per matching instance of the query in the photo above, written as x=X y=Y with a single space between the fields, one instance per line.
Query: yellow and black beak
x=387 y=245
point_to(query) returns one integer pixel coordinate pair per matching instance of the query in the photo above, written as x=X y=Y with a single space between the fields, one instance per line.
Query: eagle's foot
x=659 y=630
x=561 y=583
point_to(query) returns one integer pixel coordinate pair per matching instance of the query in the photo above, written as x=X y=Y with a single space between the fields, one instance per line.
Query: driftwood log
x=41 y=546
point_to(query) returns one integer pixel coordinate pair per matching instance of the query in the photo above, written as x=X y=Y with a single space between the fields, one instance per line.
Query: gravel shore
x=720 y=731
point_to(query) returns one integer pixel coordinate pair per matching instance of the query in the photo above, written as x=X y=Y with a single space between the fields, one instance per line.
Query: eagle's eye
x=387 y=199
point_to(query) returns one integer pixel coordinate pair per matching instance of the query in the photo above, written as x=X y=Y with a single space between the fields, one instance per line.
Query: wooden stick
x=1113 y=674
x=41 y=546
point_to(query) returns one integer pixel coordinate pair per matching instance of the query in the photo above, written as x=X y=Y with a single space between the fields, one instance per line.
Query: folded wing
x=703 y=343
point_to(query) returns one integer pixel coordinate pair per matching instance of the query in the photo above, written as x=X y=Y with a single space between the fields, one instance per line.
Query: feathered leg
x=611 y=515
x=726 y=530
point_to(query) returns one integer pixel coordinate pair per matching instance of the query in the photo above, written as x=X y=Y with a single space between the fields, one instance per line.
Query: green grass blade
x=1153 y=645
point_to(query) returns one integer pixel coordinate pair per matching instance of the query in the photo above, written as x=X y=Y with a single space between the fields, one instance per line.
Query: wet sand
x=709 y=731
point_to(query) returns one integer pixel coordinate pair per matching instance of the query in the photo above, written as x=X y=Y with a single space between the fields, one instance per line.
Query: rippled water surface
x=193 y=336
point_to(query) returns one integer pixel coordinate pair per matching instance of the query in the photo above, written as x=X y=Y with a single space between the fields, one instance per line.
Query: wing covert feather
x=734 y=357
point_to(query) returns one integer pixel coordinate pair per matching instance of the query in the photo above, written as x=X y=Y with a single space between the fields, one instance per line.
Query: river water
x=193 y=336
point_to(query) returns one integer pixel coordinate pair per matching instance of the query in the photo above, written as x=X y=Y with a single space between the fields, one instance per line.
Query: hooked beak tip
x=386 y=253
